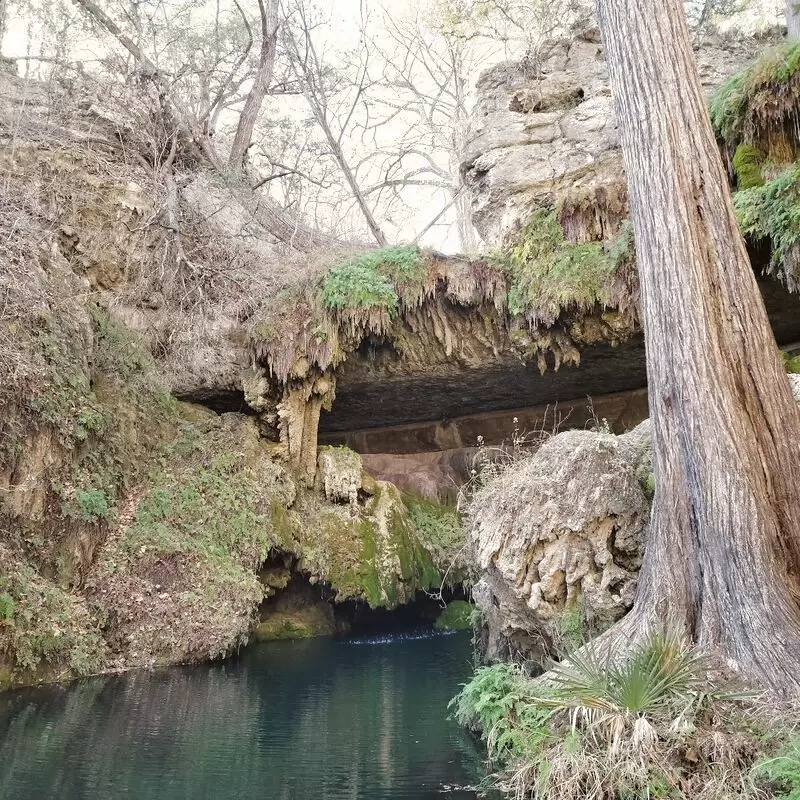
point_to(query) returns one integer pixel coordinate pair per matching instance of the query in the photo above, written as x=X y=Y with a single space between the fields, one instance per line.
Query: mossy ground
x=285 y=626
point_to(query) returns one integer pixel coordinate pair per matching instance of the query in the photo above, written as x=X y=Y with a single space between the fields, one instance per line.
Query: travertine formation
x=558 y=536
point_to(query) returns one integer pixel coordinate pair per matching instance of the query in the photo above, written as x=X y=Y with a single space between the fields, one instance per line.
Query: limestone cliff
x=551 y=140
x=133 y=529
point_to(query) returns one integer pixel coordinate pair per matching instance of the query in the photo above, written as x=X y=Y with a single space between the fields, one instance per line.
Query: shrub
x=93 y=505
x=353 y=285
x=441 y=531
x=496 y=702
x=649 y=725
x=660 y=680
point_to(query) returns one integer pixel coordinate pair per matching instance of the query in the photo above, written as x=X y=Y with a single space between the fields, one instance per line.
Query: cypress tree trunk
x=723 y=554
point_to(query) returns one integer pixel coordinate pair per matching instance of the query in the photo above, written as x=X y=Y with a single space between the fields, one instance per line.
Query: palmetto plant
x=660 y=686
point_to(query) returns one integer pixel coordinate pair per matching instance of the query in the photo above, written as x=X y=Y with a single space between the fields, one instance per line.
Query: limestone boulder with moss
x=372 y=553
x=558 y=537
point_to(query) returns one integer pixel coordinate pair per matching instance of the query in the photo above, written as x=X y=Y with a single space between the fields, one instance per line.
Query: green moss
x=792 y=363
x=650 y=485
x=44 y=627
x=748 y=161
x=283 y=626
x=772 y=212
x=209 y=504
x=457 y=616
x=373 y=279
x=762 y=99
x=548 y=274
x=416 y=563
x=375 y=556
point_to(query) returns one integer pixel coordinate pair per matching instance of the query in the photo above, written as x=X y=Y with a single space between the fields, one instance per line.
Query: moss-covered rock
x=376 y=556
x=771 y=212
x=200 y=529
x=315 y=620
x=443 y=535
x=549 y=275
x=748 y=163
x=761 y=105
x=458 y=616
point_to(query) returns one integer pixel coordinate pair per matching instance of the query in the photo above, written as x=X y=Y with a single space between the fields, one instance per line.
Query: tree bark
x=263 y=79
x=723 y=554
x=793 y=19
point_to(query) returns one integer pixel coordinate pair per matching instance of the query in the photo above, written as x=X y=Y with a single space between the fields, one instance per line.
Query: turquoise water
x=312 y=720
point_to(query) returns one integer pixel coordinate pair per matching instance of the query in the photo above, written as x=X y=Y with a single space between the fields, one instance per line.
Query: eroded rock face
x=553 y=141
x=561 y=532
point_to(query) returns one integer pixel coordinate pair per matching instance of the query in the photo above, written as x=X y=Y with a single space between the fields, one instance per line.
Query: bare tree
x=703 y=14
x=3 y=21
x=525 y=27
x=419 y=122
x=268 y=12
x=188 y=122
x=334 y=110
x=723 y=553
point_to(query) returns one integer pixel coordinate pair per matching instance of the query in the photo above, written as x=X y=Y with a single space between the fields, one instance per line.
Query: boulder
x=558 y=537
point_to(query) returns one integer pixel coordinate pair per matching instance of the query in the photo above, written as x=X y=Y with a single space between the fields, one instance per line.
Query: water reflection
x=321 y=719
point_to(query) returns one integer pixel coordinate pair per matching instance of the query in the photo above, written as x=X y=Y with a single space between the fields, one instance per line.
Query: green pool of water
x=311 y=720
